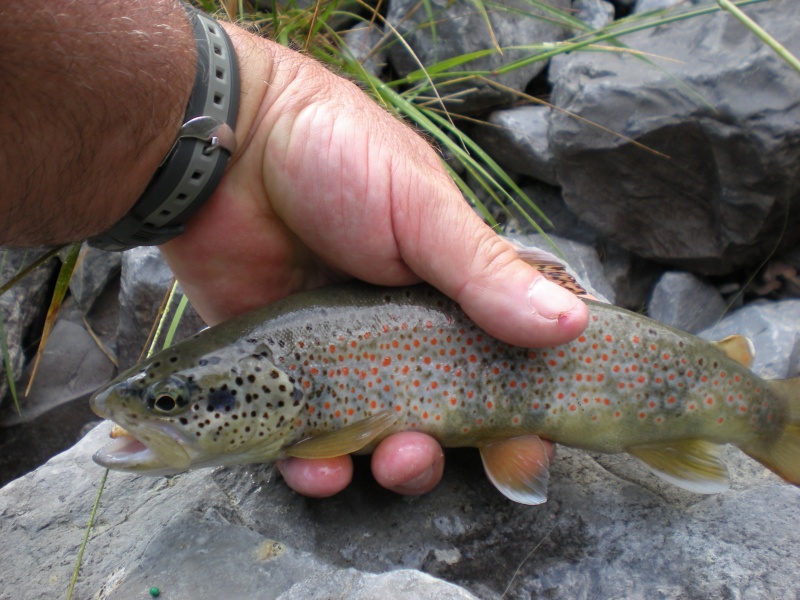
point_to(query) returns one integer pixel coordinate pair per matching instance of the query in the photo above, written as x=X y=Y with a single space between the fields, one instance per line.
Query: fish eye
x=167 y=397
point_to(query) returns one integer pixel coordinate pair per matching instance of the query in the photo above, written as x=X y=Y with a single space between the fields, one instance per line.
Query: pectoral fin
x=552 y=268
x=518 y=467
x=346 y=440
x=691 y=464
x=738 y=348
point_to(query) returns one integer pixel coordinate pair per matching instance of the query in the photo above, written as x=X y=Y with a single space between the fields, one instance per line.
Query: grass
x=420 y=97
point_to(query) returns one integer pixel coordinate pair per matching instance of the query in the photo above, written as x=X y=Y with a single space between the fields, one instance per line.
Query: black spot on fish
x=265 y=389
x=281 y=344
x=221 y=400
x=184 y=421
x=274 y=374
x=239 y=381
x=253 y=413
x=265 y=416
x=251 y=378
x=280 y=404
x=282 y=388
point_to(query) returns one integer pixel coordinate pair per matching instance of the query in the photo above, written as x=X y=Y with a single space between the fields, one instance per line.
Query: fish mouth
x=147 y=451
x=145 y=448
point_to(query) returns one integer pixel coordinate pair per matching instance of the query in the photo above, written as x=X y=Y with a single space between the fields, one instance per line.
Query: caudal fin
x=781 y=453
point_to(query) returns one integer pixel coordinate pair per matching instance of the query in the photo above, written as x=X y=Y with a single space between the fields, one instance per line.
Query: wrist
x=192 y=169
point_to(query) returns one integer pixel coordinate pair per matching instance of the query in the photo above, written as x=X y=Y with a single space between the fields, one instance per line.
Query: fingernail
x=549 y=299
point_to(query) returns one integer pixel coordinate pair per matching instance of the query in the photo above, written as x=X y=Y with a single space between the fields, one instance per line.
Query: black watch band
x=191 y=171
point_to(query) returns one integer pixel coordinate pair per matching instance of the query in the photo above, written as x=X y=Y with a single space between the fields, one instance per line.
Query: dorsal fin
x=693 y=465
x=552 y=268
x=350 y=438
x=518 y=467
x=738 y=348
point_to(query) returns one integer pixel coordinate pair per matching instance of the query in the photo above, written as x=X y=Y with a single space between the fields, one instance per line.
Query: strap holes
x=197 y=175
x=218 y=98
x=217 y=49
x=220 y=74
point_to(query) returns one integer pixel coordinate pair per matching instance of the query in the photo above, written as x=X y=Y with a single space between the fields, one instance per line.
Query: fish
x=335 y=370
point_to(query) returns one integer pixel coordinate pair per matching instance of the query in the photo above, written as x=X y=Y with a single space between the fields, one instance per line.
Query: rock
x=145 y=282
x=643 y=6
x=517 y=139
x=725 y=117
x=366 y=45
x=21 y=307
x=595 y=13
x=453 y=29
x=685 y=302
x=92 y=274
x=56 y=409
x=631 y=277
x=774 y=329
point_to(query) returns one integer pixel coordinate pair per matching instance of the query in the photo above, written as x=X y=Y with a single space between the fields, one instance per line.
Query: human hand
x=325 y=186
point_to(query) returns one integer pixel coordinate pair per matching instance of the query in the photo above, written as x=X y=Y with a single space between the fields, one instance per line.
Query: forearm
x=94 y=95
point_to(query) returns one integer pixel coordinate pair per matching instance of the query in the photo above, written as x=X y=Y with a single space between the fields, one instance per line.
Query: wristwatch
x=193 y=167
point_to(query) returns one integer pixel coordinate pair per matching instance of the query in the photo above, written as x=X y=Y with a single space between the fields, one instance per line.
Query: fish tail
x=781 y=453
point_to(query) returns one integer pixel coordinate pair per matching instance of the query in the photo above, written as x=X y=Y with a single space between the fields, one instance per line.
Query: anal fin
x=350 y=438
x=694 y=465
x=518 y=467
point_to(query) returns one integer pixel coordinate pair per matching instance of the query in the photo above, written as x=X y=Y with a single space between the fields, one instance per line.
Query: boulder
x=690 y=156
x=685 y=302
x=440 y=30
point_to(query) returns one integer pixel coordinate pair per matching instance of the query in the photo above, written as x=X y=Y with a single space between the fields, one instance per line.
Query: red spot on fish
x=387 y=361
x=665 y=356
x=609 y=338
x=453 y=401
x=642 y=415
x=636 y=339
x=709 y=400
x=579 y=377
x=573 y=408
x=311 y=410
x=582 y=339
x=552 y=363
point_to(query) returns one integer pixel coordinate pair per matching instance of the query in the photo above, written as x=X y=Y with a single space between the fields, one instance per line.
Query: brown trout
x=335 y=370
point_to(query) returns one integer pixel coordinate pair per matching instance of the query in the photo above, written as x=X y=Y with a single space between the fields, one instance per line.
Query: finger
x=444 y=241
x=317 y=478
x=408 y=463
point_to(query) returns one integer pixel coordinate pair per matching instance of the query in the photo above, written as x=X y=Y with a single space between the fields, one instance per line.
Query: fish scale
x=448 y=379
x=335 y=371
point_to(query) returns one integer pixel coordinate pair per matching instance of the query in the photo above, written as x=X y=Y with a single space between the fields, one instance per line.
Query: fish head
x=188 y=407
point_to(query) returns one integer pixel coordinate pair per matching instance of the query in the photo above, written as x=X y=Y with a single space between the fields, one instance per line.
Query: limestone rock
x=453 y=29
x=716 y=185
x=685 y=302
x=517 y=139
x=145 y=281
x=21 y=306
x=595 y=13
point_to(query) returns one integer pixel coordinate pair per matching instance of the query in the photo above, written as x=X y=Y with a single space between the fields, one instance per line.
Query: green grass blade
x=62 y=285
x=87 y=532
x=12 y=385
x=765 y=37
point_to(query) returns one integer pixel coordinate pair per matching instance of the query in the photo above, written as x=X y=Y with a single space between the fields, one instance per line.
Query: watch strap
x=194 y=166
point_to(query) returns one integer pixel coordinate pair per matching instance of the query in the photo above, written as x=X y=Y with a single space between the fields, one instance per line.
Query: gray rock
x=725 y=116
x=366 y=44
x=94 y=270
x=774 y=328
x=517 y=139
x=456 y=28
x=685 y=302
x=595 y=13
x=643 y=6
x=145 y=282
x=21 y=306
x=631 y=277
